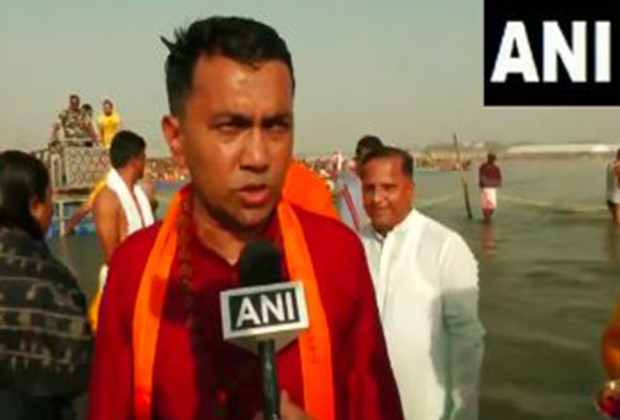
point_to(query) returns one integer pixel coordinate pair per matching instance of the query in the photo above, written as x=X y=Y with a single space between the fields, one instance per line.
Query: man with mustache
x=426 y=283
x=159 y=347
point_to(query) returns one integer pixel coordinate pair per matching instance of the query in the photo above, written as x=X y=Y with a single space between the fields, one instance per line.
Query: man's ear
x=171 y=128
x=412 y=192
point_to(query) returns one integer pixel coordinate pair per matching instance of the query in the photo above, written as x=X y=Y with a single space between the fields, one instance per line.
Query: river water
x=549 y=272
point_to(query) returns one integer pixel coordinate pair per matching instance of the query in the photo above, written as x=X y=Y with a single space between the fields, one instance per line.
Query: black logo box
x=564 y=92
x=255 y=298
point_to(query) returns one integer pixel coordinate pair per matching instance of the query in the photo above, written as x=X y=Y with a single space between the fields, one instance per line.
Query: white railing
x=73 y=167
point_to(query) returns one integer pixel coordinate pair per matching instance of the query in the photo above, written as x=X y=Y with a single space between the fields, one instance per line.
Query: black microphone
x=260 y=264
x=264 y=314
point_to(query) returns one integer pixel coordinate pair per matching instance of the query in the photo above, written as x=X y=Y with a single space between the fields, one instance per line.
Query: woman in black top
x=45 y=341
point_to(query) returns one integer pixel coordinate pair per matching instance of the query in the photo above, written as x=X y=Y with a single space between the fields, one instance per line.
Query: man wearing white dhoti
x=490 y=179
x=426 y=283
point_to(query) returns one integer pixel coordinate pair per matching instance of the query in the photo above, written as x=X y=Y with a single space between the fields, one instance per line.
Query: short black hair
x=125 y=146
x=367 y=144
x=109 y=102
x=23 y=180
x=246 y=41
x=87 y=108
x=387 y=152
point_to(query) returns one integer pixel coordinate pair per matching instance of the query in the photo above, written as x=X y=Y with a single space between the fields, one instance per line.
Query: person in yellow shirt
x=110 y=123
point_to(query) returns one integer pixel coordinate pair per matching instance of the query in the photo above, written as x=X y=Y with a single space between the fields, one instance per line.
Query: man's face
x=236 y=138
x=107 y=108
x=387 y=193
x=74 y=103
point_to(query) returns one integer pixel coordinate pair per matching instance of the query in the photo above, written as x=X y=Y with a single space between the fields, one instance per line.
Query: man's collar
x=271 y=231
x=403 y=226
x=407 y=221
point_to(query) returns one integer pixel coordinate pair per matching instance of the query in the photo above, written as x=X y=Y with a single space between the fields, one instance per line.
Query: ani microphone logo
x=264 y=310
x=551 y=52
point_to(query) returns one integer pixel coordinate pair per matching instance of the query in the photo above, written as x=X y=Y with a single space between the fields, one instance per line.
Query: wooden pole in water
x=463 y=178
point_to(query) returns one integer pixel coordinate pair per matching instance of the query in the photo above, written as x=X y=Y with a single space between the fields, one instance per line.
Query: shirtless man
x=121 y=207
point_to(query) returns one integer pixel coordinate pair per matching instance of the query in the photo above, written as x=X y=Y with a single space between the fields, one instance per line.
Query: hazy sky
x=409 y=71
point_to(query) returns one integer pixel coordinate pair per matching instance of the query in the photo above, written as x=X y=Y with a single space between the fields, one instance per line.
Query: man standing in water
x=612 y=193
x=490 y=179
x=426 y=284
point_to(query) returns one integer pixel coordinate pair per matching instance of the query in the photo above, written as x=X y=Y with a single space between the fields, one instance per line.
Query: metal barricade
x=73 y=166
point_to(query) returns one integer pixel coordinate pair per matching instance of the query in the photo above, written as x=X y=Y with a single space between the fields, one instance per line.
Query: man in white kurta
x=426 y=283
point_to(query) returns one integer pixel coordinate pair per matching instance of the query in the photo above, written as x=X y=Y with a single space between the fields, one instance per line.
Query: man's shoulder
x=139 y=242
x=488 y=167
x=126 y=269
x=106 y=199
x=339 y=262
x=437 y=230
x=325 y=228
x=331 y=240
x=441 y=245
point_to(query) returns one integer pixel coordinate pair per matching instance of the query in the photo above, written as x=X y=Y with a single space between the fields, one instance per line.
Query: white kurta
x=426 y=283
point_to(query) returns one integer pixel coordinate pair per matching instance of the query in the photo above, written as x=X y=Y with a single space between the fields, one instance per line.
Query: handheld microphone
x=264 y=314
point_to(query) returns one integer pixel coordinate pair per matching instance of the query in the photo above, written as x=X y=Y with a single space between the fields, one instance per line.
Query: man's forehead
x=222 y=72
x=384 y=167
x=235 y=106
x=242 y=92
x=384 y=163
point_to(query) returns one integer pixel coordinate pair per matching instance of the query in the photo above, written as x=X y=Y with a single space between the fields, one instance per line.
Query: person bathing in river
x=490 y=178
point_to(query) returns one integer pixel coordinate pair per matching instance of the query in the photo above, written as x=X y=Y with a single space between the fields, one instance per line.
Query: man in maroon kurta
x=364 y=384
x=231 y=124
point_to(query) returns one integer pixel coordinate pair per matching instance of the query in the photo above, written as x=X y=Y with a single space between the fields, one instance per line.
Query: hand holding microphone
x=288 y=410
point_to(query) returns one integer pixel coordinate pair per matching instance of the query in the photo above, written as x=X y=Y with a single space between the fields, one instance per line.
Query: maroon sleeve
x=112 y=370
x=372 y=387
x=364 y=383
